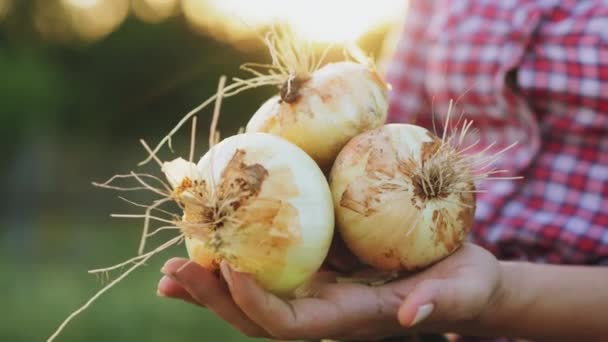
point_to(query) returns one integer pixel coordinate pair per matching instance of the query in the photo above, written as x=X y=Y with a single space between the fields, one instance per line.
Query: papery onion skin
x=339 y=101
x=383 y=214
x=287 y=222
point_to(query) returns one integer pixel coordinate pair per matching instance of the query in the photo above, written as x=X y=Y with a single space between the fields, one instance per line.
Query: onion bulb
x=405 y=198
x=255 y=200
x=322 y=111
x=258 y=202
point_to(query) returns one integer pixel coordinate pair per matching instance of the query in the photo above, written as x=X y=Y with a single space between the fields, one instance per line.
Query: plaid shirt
x=535 y=72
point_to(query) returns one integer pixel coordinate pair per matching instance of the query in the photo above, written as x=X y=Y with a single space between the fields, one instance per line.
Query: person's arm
x=532 y=301
x=550 y=302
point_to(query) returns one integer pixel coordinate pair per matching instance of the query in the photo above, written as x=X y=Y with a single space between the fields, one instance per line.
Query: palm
x=466 y=282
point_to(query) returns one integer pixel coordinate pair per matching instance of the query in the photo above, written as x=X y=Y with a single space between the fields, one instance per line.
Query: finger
x=206 y=288
x=169 y=288
x=308 y=318
x=435 y=300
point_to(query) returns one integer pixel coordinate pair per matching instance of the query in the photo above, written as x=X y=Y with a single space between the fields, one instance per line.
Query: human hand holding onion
x=258 y=208
x=404 y=201
x=457 y=294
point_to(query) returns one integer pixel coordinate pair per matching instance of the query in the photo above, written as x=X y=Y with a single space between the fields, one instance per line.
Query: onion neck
x=442 y=171
x=290 y=90
x=430 y=183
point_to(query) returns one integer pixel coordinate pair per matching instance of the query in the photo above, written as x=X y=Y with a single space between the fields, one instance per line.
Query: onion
x=258 y=202
x=405 y=198
x=255 y=200
x=318 y=108
x=320 y=112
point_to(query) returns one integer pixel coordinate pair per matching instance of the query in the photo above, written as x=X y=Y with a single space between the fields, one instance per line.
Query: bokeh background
x=80 y=82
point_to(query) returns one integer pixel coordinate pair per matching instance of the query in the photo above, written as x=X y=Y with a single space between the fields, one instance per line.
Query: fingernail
x=424 y=311
x=226 y=272
x=170 y=266
x=173 y=273
x=162 y=284
x=169 y=274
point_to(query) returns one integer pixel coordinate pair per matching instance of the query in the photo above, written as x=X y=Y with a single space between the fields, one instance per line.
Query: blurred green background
x=80 y=82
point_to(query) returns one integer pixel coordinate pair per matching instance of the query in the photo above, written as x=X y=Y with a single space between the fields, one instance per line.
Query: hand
x=449 y=296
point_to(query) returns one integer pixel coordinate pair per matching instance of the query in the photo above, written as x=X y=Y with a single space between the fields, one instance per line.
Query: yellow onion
x=258 y=202
x=403 y=197
x=321 y=111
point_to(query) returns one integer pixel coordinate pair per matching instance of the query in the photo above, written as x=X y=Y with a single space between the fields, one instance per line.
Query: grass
x=46 y=281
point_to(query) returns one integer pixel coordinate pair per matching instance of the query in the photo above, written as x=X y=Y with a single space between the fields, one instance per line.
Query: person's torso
x=535 y=72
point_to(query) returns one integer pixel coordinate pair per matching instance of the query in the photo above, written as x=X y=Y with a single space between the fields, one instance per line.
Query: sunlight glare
x=341 y=20
x=317 y=20
x=93 y=19
x=154 y=11
x=5 y=7
x=83 y=4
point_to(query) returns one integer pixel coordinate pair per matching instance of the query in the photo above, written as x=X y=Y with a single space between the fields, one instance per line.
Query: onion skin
x=383 y=214
x=337 y=102
x=286 y=211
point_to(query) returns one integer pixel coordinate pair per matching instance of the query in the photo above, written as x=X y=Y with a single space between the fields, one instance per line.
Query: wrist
x=510 y=300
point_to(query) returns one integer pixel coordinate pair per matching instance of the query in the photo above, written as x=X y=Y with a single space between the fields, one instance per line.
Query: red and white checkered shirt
x=535 y=72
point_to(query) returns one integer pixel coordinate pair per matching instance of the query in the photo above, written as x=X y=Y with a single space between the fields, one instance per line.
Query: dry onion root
x=405 y=198
x=254 y=200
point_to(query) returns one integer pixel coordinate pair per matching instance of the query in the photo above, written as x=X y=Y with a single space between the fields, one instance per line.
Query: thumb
x=435 y=300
